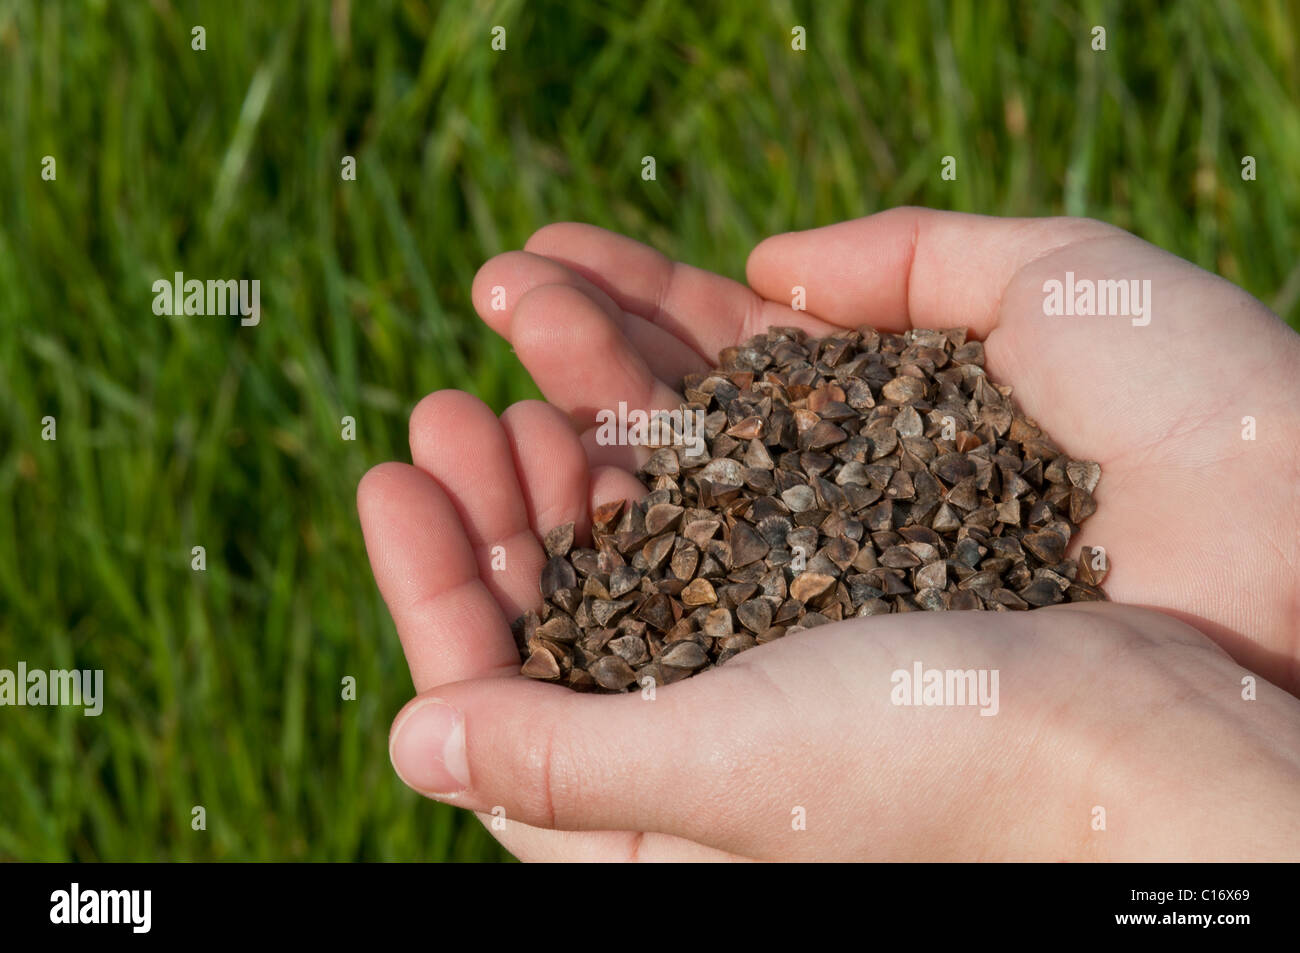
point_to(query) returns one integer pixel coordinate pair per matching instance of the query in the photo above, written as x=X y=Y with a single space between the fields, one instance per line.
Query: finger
x=559 y=760
x=547 y=758
x=603 y=454
x=457 y=440
x=551 y=466
x=910 y=267
x=537 y=845
x=705 y=310
x=450 y=625
x=613 y=483
x=505 y=279
x=580 y=360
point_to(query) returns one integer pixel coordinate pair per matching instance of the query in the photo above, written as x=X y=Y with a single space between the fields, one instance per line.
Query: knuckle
x=538 y=770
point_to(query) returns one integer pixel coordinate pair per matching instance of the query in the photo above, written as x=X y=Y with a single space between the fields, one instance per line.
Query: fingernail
x=428 y=749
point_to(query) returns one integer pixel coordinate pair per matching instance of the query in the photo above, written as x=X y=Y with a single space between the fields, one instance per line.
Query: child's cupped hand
x=795 y=749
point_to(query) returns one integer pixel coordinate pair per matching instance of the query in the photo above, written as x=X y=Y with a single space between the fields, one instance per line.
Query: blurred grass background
x=224 y=686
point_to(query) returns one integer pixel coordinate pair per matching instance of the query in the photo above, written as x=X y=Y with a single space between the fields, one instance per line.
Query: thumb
x=679 y=761
x=807 y=725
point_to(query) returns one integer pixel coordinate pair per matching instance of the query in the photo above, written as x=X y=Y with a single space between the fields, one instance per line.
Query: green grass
x=224 y=686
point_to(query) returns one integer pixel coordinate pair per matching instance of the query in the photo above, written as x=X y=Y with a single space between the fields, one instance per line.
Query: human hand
x=579 y=768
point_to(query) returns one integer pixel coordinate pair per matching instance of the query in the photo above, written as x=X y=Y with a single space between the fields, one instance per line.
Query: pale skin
x=1130 y=711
